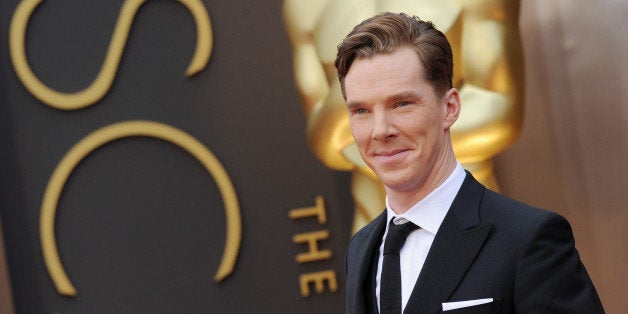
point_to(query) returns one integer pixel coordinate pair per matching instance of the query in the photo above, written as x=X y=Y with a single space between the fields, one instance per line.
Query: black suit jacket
x=488 y=246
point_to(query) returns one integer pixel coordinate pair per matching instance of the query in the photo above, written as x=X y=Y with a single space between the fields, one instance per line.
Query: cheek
x=360 y=131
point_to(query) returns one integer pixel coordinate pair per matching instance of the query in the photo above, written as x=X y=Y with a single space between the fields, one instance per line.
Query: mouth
x=391 y=156
x=390 y=153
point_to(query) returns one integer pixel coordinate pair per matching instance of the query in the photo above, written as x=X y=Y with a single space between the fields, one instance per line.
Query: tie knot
x=396 y=236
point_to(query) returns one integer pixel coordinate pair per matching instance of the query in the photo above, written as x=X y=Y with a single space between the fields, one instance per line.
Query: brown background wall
x=6 y=297
x=573 y=151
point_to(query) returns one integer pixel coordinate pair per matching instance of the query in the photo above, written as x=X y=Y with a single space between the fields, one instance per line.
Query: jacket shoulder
x=499 y=208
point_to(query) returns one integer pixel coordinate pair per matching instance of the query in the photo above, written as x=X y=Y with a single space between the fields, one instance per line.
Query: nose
x=383 y=128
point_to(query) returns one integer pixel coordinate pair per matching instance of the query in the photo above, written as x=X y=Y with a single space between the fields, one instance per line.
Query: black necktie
x=390 y=283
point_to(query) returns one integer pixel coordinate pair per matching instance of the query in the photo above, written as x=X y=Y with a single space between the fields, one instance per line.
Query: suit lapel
x=364 y=256
x=457 y=242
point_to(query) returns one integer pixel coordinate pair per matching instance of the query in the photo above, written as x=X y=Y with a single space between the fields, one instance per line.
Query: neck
x=401 y=201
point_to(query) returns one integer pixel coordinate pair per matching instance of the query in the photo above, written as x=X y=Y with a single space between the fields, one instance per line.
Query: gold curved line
x=131 y=129
x=204 y=39
x=104 y=79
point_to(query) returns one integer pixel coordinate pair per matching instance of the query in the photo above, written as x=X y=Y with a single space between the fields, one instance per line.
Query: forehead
x=385 y=73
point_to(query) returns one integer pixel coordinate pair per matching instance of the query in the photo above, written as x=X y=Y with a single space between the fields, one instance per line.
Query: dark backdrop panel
x=140 y=223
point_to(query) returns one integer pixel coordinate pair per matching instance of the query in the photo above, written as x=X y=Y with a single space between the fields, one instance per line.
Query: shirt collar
x=429 y=212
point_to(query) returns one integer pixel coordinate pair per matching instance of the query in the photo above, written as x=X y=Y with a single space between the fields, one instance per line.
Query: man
x=466 y=248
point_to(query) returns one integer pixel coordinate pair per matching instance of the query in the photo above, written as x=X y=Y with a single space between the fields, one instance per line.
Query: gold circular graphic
x=136 y=128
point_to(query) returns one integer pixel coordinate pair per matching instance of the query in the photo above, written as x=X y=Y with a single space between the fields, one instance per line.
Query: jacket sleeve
x=550 y=276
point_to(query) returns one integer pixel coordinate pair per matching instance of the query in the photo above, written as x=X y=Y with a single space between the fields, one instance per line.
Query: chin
x=399 y=182
x=396 y=184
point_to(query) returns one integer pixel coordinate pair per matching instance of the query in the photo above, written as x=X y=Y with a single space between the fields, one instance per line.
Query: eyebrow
x=404 y=95
x=392 y=98
x=354 y=104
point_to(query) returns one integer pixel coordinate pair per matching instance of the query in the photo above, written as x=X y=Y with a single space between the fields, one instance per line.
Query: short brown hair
x=388 y=31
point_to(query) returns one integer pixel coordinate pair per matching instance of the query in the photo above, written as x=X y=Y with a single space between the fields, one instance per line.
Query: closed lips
x=390 y=153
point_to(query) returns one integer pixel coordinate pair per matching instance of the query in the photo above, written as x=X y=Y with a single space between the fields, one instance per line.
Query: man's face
x=400 y=125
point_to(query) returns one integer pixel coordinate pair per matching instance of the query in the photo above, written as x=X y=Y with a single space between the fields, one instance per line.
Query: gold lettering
x=318 y=278
x=104 y=79
x=131 y=129
x=314 y=253
x=317 y=210
x=312 y=238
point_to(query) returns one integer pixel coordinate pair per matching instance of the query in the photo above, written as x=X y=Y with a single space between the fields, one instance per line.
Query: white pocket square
x=447 y=306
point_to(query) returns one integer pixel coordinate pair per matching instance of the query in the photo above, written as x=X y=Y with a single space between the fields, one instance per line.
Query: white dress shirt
x=428 y=214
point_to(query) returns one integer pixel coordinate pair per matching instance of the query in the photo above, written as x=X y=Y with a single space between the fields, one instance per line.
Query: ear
x=451 y=101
